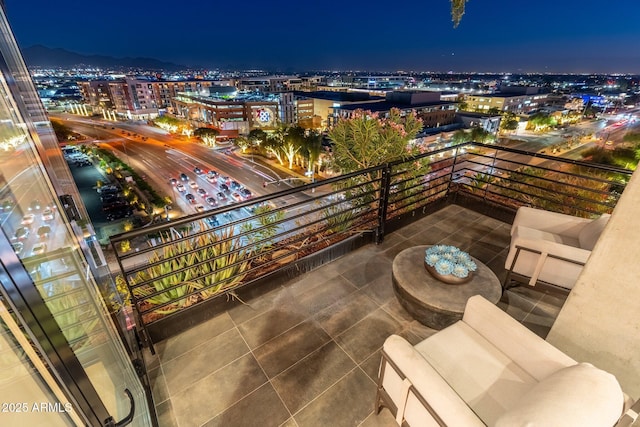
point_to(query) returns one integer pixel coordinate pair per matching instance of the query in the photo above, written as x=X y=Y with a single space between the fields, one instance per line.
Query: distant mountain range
x=46 y=57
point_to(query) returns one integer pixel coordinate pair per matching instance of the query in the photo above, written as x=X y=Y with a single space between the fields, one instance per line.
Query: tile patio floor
x=307 y=353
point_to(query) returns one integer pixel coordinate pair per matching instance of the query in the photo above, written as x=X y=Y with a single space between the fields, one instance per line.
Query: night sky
x=297 y=35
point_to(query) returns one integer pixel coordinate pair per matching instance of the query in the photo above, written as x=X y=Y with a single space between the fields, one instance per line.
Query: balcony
x=303 y=348
x=306 y=352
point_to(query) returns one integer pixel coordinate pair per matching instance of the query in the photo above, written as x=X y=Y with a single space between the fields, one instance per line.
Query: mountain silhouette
x=46 y=57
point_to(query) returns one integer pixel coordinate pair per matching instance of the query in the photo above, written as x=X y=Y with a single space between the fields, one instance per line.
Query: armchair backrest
x=591 y=232
x=551 y=222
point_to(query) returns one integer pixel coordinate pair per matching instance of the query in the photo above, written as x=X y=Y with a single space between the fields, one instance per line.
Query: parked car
x=48 y=214
x=212 y=173
x=109 y=189
x=39 y=248
x=190 y=198
x=181 y=187
x=43 y=231
x=173 y=181
x=224 y=180
x=17 y=247
x=184 y=177
x=28 y=219
x=22 y=233
x=211 y=201
x=245 y=193
x=197 y=171
x=193 y=184
x=224 y=188
x=119 y=213
x=212 y=221
x=237 y=197
x=199 y=208
x=235 y=185
x=109 y=198
x=119 y=203
x=221 y=197
x=202 y=192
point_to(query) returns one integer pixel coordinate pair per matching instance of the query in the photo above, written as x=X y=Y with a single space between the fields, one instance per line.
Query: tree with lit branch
x=207 y=135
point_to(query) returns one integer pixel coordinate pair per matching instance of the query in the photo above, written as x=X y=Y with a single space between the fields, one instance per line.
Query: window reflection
x=28 y=212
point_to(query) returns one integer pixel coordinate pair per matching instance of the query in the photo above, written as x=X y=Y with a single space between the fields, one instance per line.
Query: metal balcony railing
x=176 y=271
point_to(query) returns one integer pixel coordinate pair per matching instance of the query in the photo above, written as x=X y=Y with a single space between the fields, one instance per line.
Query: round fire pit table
x=434 y=303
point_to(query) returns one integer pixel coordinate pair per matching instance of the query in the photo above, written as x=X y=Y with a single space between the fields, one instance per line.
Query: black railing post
x=383 y=201
x=453 y=167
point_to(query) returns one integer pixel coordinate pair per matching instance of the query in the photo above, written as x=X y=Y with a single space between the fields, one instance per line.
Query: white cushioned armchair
x=550 y=247
x=489 y=370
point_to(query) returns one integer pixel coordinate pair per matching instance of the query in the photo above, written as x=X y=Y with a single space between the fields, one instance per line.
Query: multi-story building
x=315 y=108
x=63 y=359
x=96 y=93
x=139 y=98
x=427 y=106
x=379 y=82
x=165 y=91
x=240 y=115
x=516 y=103
x=287 y=107
x=488 y=122
x=312 y=82
x=270 y=84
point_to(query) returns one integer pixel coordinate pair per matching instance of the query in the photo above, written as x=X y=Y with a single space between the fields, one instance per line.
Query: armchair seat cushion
x=482 y=375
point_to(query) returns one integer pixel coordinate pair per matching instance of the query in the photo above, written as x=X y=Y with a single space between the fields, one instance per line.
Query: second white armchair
x=550 y=247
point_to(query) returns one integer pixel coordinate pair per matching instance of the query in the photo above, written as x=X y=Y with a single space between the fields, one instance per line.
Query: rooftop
x=386 y=105
x=306 y=352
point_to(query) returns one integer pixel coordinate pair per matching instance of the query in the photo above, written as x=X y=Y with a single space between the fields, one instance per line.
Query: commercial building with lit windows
x=517 y=103
x=427 y=106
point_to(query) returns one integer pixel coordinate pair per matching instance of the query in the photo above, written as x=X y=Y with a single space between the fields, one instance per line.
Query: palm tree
x=273 y=144
x=293 y=142
x=311 y=149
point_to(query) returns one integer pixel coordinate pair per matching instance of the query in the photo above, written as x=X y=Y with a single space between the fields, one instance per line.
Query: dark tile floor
x=307 y=353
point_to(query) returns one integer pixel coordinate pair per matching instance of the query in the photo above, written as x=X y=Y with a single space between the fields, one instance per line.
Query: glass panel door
x=49 y=271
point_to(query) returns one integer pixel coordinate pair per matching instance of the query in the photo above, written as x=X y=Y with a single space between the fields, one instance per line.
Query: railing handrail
x=394 y=191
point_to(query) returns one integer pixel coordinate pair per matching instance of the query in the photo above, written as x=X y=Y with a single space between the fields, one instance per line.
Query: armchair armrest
x=421 y=382
x=552 y=222
x=629 y=416
x=554 y=249
x=544 y=259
